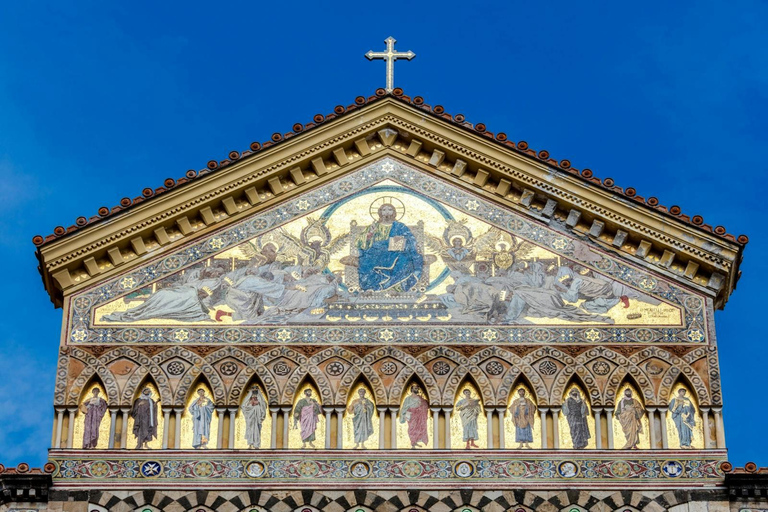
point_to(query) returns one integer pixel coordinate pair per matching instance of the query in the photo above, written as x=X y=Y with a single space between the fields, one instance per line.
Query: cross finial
x=390 y=56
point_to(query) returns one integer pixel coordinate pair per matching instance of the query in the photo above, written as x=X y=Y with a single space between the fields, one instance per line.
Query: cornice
x=553 y=192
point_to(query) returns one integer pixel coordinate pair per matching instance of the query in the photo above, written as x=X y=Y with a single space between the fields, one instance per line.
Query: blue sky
x=99 y=100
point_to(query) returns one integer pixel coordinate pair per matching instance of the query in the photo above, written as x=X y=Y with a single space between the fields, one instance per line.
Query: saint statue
x=684 y=416
x=202 y=413
x=254 y=410
x=415 y=411
x=362 y=420
x=469 y=410
x=576 y=412
x=388 y=257
x=630 y=414
x=307 y=413
x=94 y=409
x=523 y=416
x=144 y=414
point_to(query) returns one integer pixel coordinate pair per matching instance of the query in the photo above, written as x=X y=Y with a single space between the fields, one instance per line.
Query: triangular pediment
x=387 y=254
x=296 y=165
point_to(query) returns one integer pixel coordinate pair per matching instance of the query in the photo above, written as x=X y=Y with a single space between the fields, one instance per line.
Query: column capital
x=447 y=410
x=221 y=410
x=555 y=410
x=663 y=409
x=651 y=409
x=178 y=410
x=704 y=410
x=717 y=410
x=232 y=410
x=382 y=409
x=285 y=409
x=436 y=409
x=543 y=409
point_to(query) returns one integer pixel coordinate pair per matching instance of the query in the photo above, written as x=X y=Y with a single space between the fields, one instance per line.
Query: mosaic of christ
x=387 y=255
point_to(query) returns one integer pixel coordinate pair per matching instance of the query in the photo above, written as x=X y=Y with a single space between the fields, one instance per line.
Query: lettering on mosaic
x=362 y=410
x=576 y=412
x=414 y=413
x=388 y=255
x=144 y=414
x=254 y=410
x=469 y=409
x=306 y=417
x=630 y=414
x=522 y=412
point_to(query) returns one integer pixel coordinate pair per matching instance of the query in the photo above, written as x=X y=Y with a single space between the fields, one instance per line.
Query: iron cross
x=390 y=56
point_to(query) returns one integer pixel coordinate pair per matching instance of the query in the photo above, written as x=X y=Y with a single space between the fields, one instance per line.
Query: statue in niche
x=94 y=409
x=388 y=256
x=415 y=411
x=469 y=410
x=306 y=414
x=254 y=410
x=144 y=414
x=630 y=414
x=202 y=414
x=576 y=411
x=684 y=416
x=523 y=417
x=362 y=420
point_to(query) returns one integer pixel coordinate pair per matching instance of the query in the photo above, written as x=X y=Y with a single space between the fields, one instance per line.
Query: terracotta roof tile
x=418 y=102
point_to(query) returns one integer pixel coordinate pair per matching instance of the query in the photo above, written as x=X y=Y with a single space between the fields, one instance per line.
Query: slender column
x=489 y=426
x=598 y=428
x=179 y=412
x=166 y=422
x=543 y=415
x=705 y=420
x=71 y=429
x=447 y=416
x=382 y=425
x=663 y=414
x=339 y=427
x=124 y=434
x=609 y=416
x=59 y=426
x=220 y=436
x=273 y=436
x=435 y=427
x=232 y=416
x=720 y=432
x=501 y=411
x=112 y=426
x=652 y=426
x=393 y=426
x=286 y=412
x=556 y=427
x=328 y=412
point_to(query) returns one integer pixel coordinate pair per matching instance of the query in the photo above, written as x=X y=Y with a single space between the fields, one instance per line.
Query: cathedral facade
x=388 y=308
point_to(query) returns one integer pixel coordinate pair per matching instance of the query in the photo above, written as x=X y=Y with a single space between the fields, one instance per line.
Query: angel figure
x=315 y=245
x=459 y=248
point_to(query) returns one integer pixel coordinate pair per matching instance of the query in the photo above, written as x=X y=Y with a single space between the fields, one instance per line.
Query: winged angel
x=313 y=248
x=459 y=248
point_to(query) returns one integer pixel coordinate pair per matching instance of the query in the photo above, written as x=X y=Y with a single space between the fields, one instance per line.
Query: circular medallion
x=620 y=469
x=568 y=469
x=335 y=369
x=441 y=368
x=255 y=469
x=175 y=368
x=280 y=368
x=601 y=368
x=308 y=468
x=464 y=469
x=412 y=469
x=151 y=469
x=516 y=468
x=494 y=368
x=359 y=469
x=99 y=469
x=547 y=368
x=672 y=469
x=389 y=368
x=203 y=469
x=228 y=368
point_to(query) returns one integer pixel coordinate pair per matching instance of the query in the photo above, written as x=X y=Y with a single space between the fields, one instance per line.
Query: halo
x=460 y=237
x=399 y=206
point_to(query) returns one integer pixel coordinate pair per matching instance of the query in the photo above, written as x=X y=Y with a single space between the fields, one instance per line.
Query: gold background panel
x=157 y=442
x=348 y=439
x=618 y=433
x=697 y=434
x=266 y=427
x=509 y=424
x=187 y=433
x=103 y=442
x=457 y=430
x=566 y=441
x=294 y=433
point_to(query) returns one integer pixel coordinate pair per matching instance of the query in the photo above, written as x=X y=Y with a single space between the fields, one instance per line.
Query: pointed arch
x=520 y=366
x=410 y=367
x=148 y=382
x=685 y=423
x=203 y=432
x=259 y=432
x=147 y=369
x=360 y=408
x=305 y=369
x=92 y=418
x=414 y=424
x=302 y=433
x=628 y=431
x=464 y=367
x=359 y=367
x=469 y=417
x=625 y=368
x=576 y=424
x=94 y=368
